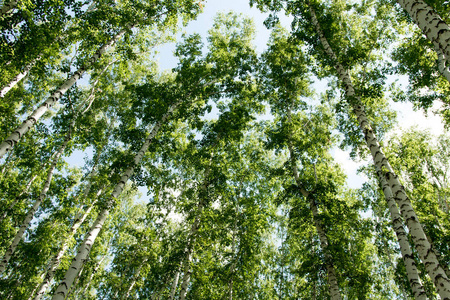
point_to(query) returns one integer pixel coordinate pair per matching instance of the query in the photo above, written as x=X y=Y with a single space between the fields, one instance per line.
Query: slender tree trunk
x=233 y=265
x=88 y=284
x=7 y=7
x=155 y=296
x=192 y=237
x=18 y=198
x=332 y=278
x=189 y=250
x=28 y=67
x=7 y=165
x=135 y=277
x=85 y=248
x=35 y=207
x=405 y=249
x=75 y=285
x=186 y=274
x=14 y=138
x=57 y=259
x=438 y=255
x=19 y=77
x=426 y=253
x=333 y=285
x=81 y=257
x=432 y=25
x=173 y=289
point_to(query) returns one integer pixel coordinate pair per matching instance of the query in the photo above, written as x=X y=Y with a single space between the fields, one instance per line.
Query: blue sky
x=406 y=115
x=205 y=21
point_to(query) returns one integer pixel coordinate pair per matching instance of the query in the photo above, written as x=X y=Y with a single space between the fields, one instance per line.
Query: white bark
x=426 y=253
x=82 y=255
x=57 y=259
x=11 y=206
x=19 y=77
x=28 y=67
x=192 y=237
x=436 y=30
x=32 y=211
x=333 y=285
x=7 y=164
x=173 y=289
x=85 y=248
x=7 y=7
x=135 y=277
x=88 y=284
x=442 y=63
x=405 y=249
x=14 y=138
x=189 y=249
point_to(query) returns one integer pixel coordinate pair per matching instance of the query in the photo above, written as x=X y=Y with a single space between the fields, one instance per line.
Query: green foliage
x=235 y=198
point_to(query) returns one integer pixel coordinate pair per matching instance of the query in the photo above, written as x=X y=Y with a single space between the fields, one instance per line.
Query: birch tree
x=427 y=255
x=32 y=119
x=23 y=227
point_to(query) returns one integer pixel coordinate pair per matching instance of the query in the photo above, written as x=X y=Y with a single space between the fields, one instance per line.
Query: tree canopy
x=218 y=178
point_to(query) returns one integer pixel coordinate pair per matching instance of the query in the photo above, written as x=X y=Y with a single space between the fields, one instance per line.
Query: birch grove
x=155 y=162
x=408 y=258
x=31 y=213
x=84 y=249
x=427 y=255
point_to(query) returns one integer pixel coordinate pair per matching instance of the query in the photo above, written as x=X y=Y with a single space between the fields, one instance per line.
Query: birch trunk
x=57 y=259
x=173 y=289
x=85 y=248
x=189 y=250
x=442 y=63
x=82 y=255
x=233 y=265
x=32 y=211
x=432 y=25
x=192 y=237
x=14 y=138
x=8 y=165
x=11 y=206
x=88 y=284
x=19 y=77
x=133 y=282
x=426 y=253
x=405 y=249
x=332 y=278
x=73 y=289
x=28 y=67
x=7 y=7
x=333 y=285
